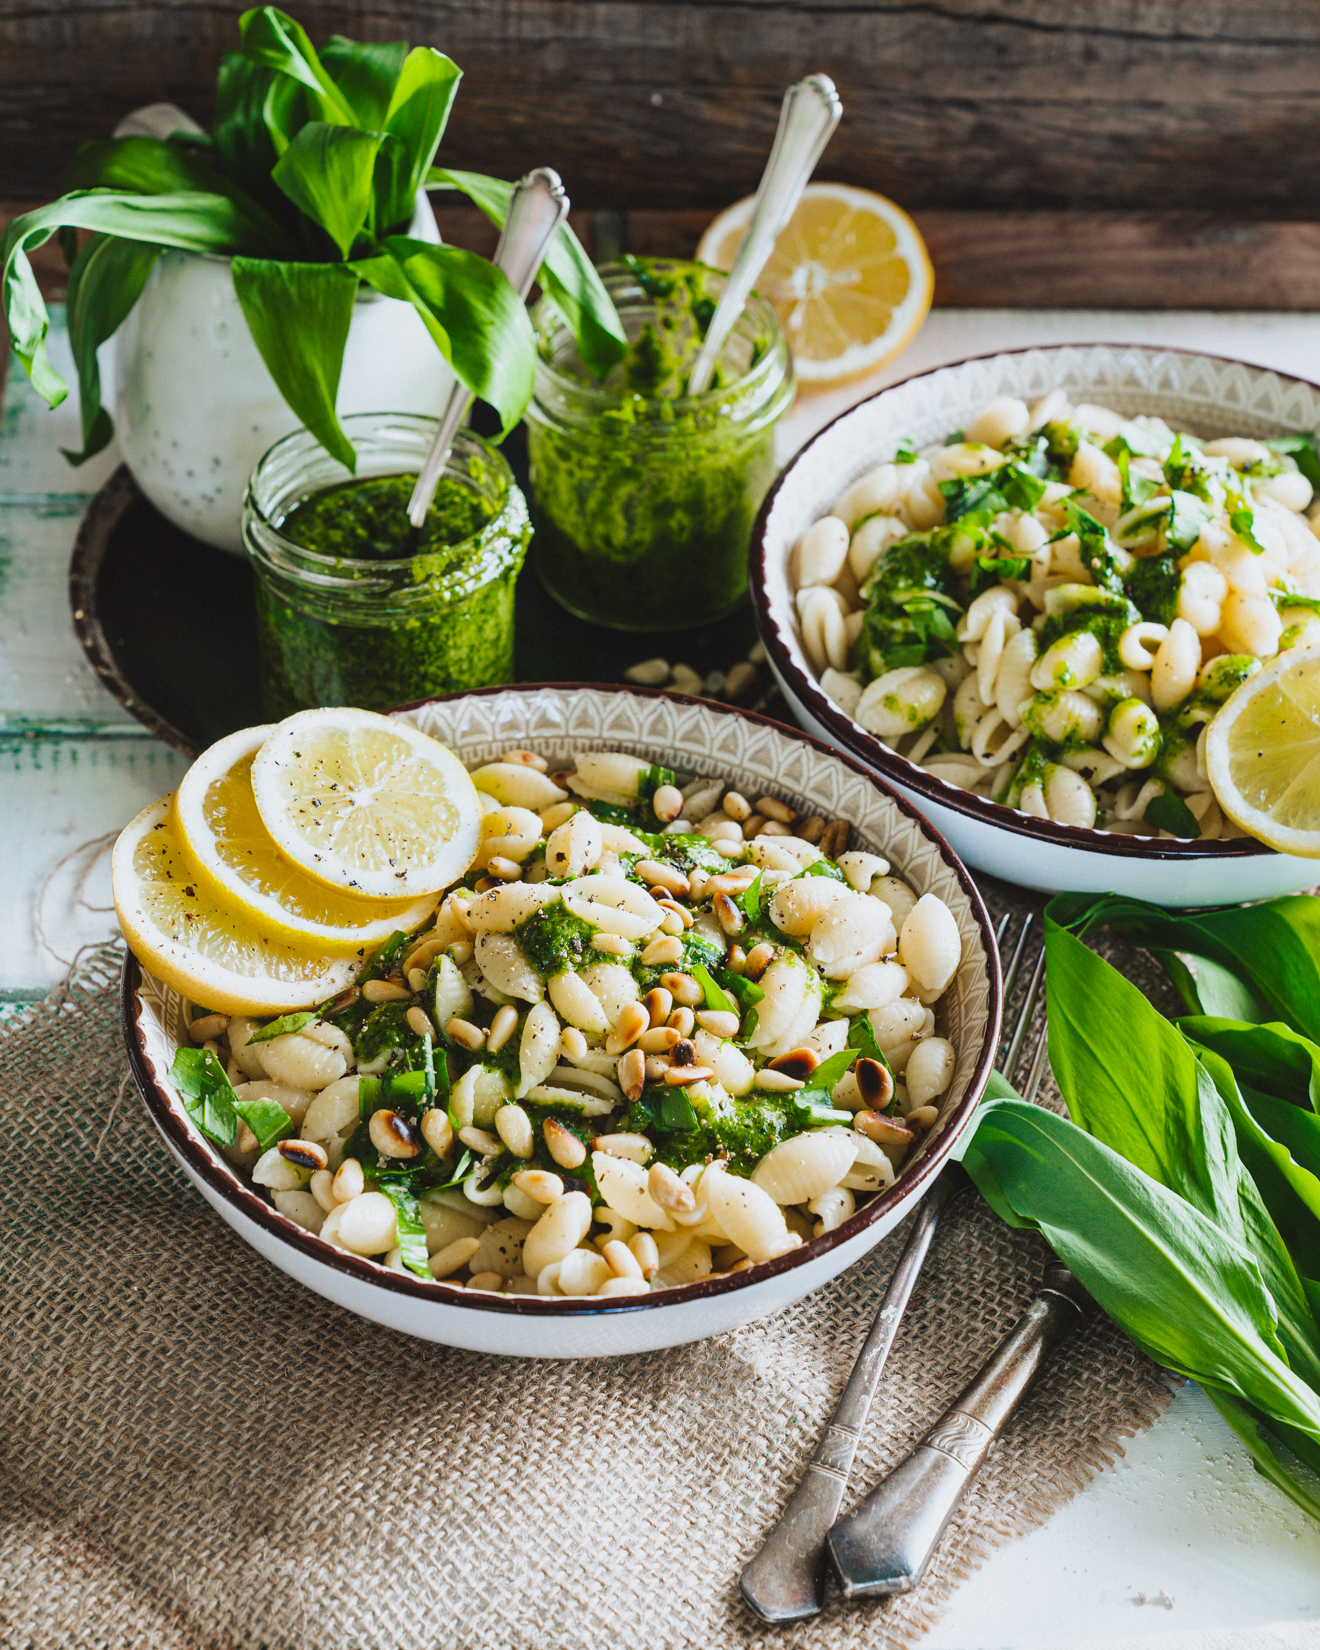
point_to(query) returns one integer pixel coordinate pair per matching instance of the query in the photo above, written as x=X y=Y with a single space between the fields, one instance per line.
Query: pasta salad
x=656 y=1033
x=1050 y=607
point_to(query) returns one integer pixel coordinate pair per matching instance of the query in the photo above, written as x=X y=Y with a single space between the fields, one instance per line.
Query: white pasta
x=900 y=701
x=801 y=1168
x=929 y=946
x=822 y=551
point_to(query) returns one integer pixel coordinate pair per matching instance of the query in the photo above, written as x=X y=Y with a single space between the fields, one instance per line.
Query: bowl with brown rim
x=1203 y=394
x=693 y=737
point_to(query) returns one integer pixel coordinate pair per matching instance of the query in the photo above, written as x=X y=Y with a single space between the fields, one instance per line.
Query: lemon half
x=233 y=856
x=366 y=804
x=849 y=278
x=1263 y=753
x=212 y=956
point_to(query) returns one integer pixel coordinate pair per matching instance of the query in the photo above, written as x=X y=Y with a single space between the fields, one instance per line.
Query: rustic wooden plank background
x=1104 y=152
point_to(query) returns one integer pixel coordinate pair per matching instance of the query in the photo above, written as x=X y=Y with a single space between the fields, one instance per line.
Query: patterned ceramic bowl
x=1202 y=393
x=757 y=756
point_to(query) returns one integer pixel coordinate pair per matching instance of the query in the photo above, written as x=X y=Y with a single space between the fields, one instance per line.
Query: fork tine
x=1015 y=961
x=1009 y=1064
x=1032 y=1087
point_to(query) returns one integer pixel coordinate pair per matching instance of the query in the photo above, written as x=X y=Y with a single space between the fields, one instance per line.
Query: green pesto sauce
x=1105 y=624
x=696 y=949
x=368 y=519
x=318 y=651
x=913 y=605
x=644 y=511
x=553 y=939
x=1152 y=585
x=741 y=1130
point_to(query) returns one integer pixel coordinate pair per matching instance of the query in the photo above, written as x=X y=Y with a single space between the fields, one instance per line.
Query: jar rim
x=362 y=569
x=757 y=308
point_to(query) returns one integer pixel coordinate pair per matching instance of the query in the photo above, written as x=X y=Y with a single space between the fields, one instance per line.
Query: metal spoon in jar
x=537 y=207
x=810 y=113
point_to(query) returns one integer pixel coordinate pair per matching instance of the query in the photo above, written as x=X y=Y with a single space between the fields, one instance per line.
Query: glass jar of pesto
x=644 y=497
x=355 y=606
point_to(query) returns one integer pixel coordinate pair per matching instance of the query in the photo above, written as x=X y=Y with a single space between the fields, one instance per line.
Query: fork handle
x=883 y=1547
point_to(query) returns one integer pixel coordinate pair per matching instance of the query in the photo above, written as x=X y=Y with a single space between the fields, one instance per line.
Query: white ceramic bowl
x=1202 y=393
x=756 y=755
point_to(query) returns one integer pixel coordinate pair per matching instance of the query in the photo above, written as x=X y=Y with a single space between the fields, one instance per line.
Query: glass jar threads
x=355 y=606
x=645 y=497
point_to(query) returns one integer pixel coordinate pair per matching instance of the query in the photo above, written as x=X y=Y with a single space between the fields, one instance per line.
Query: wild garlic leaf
x=208 y=1095
x=305 y=360
x=285 y=1026
x=275 y=40
x=408 y=1223
x=366 y=73
x=106 y=280
x=328 y=173
x=267 y=1119
x=417 y=115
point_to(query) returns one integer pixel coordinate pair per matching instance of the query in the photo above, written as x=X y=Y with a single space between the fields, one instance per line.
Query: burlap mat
x=201 y=1454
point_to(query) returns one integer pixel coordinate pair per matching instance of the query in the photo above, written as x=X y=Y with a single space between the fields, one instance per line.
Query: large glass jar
x=340 y=627
x=644 y=497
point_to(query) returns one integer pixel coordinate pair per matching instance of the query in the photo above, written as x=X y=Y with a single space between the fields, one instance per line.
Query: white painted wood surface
x=1184 y=1515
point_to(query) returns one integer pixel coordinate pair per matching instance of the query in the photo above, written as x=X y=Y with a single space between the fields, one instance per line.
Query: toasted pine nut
x=643 y=1250
x=697 y=881
x=731 y=918
x=480 y=1140
x=885 y=1131
x=526 y=759
x=777 y=1082
x=659 y=1040
x=322 y=1189
x=655 y=1067
x=772 y=827
x=924 y=1117
x=453 y=1256
x=303 y=1154
x=572 y=1043
x=210 y=1046
x=417 y=980
x=461 y=951
x=683 y=1053
x=492 y=1282
x=808 y=830
x=667 y=803
x=514 y=1128
x=759 y=959
x=736 y=960
x=215 y=1025
x=729 y=850
x=632 y=1074
x=631 y=1023
x=566 y=1149
x=666 y=950
x=875 y=1082
x=683 y=989
x=484 y=885
x=344 y=1000
x=561 y=777
x=672 y=923
x=752 y=826
x=459 y=910
x=539 y=1184
x=798 y=1062
x=681 y=1076
x=672 y=909
x=420 y=1022
x=681 y=1021
x=740 y=678
x=349 y=1181
x=658 y=875
x=392 y=1135
x=438 y=1131
x=633 y=1148
x=773 y=809
x=834 y=838
x=384 y=991
x=658 y=1004
x=621 y=1260
x=668 y=1191
x=733 y=882
x=507 y=870
x=423 y=956
x=465 y=1034
x=502 y=1027
x=718 y=1023
x=743 y=1265
x=736 y=806
x=555 y=815
x=615 y=944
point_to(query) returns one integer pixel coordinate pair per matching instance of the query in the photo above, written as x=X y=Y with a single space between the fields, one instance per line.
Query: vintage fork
x=783 y=1582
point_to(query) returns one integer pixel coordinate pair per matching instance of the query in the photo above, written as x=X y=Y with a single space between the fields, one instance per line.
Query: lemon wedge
x=185 y=939
x=367 y=804
x=849 y=278
x=1262 y=753
x=231 y=854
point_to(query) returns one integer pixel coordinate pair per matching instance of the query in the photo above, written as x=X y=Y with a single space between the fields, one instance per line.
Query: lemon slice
x=1262 y=753
x=230 y=852
x=849 y=278
x=367 y=804
x=209 y=954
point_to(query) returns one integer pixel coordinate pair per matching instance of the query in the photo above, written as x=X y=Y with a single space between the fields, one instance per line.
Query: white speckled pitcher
x=195 y=407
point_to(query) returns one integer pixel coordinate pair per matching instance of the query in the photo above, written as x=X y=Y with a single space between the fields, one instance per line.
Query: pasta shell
x=803 y=1167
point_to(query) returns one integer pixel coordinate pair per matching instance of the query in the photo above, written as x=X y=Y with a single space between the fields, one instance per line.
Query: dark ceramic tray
x=169 y=625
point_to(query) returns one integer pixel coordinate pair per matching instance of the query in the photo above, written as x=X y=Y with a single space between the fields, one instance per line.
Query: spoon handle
x=810 y=112
x=884 y=1546
x=537 y=207
x=782 y=1583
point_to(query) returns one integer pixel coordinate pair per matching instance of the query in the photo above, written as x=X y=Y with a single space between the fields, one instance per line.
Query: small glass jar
x=351 y=630
x=644 y=498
